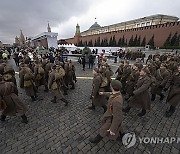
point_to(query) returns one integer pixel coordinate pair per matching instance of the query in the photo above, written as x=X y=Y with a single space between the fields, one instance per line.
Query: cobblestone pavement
x=54 y=128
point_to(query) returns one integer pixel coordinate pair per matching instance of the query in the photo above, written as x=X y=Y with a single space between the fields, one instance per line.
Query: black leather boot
x=153 y=97
x=105 y=108
x=65 y=91
x=65 y=101
x=127 y=109
x=161 y=97
x=24 y=119
x=73 y=87
x=54 y=100
x=142 y=113
x=97 y=139
x=46 y=89
x=91 y=107
x=3 y=117
x=170 y=112
x=127 y=97
x=33 y=98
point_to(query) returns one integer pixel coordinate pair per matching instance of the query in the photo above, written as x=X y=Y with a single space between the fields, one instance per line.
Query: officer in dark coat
x=174 y=93
x=54 y=85
x=97 y=100
x=26 y=81
x=119 y=71
x=111 y=125
x=162 y=76
x=132 y=80
x=141 y=96
x=10 y=104
x=125 y=75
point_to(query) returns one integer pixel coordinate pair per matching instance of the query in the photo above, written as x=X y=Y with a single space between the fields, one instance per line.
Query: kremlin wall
x=159 y=31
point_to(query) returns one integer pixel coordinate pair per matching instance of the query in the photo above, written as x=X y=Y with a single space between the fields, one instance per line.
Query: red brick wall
x=160 y=32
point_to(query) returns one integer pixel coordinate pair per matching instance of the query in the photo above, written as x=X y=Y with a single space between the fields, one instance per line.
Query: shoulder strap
x=5 y=89
x=160 y=74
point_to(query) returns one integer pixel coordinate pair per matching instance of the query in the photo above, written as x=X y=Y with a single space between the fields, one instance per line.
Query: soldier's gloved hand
x=165 y=89
x=132 y=94
x=160 y=86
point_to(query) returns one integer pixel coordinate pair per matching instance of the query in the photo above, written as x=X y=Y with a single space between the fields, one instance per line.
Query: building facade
x=141 y=22
x=45 y=39
x=158 y=27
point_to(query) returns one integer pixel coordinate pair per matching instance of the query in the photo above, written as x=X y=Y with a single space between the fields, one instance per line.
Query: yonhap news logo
x=130 y=139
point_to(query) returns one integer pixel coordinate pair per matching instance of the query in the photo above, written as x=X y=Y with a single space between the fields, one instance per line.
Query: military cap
x=116 y=85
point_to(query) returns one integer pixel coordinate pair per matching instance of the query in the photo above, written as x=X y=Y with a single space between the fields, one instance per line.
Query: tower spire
x=77 y=29
x=22 y=38
x=49 y=28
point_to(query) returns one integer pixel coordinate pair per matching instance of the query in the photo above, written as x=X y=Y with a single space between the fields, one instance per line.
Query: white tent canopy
x=67 y=45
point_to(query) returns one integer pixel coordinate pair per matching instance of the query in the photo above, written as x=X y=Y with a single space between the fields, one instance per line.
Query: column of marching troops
x=136 y=84
x=56 y=76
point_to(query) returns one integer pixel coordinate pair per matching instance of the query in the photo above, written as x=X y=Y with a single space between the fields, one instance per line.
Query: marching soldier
x=39 y=74
x=138 y=63
x=126 y=73
x=47 y=68
x=54 y=84
x=112 y=119
x=26 y=80
x=174 y=92
x=120 y=71
x=98 y=100
x=141 y=97
x=151 y=68
x=10 y=104
x=162 y=76
x=107 y=74
x=68 y=78
x=131 y=81
x=8 y=73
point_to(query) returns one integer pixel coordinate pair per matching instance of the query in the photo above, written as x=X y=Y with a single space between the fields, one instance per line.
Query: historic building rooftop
x=95 y=26
x=136 y=23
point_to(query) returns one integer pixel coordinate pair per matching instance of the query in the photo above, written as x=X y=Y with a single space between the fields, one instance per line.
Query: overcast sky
x=32 y=16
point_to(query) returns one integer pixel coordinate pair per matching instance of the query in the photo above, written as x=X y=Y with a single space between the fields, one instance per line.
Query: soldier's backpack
x=27 y=83
x=28 y=75
x=7 y=77
x=70 y=67
x=40 y=70
x=59 y=73
x=8 y=69
x=104 y=82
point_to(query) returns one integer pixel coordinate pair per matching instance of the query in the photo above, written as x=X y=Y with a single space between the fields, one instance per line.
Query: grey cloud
x=32 y=15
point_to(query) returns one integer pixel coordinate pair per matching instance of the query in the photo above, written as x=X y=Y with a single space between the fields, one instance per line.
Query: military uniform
x=162 y=76
x=98 y=100
x=111 y=121
x=113 y=117
x=141 y=96
x=39 y=74
x=54 y=84
x=120 y=72
x=131 y=82
x=68 y=78
x=26 y=80
x=174 y=94
x=12 y=103
x=126 y=73
x=9 y=74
